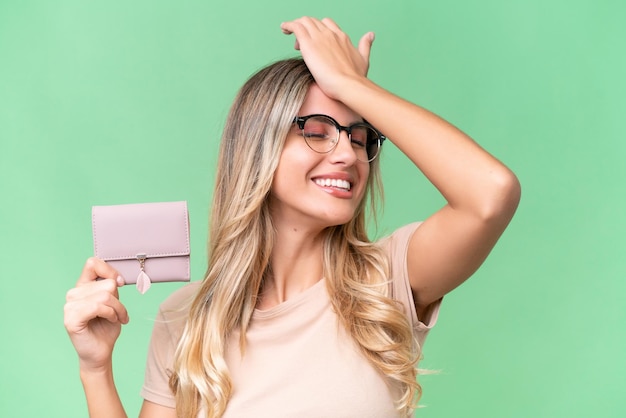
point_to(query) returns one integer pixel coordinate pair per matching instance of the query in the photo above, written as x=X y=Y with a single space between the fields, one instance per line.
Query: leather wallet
x=146 y=242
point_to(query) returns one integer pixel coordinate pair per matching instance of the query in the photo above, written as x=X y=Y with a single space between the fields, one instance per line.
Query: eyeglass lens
x=322 y=136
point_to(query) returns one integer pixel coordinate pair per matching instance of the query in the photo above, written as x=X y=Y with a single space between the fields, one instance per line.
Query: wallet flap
x=120 y=232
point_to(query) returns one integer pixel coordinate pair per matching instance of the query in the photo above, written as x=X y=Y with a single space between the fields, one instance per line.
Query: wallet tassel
x=143 y=280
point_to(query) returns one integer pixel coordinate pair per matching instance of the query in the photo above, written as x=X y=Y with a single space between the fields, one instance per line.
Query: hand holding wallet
x=146 y=243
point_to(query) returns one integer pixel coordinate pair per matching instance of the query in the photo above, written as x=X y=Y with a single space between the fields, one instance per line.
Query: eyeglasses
x=321 y=134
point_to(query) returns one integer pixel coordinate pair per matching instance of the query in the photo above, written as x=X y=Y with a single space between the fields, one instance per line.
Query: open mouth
x=337 y=183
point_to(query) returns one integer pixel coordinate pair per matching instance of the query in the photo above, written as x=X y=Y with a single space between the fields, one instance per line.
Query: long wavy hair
x=241 y=239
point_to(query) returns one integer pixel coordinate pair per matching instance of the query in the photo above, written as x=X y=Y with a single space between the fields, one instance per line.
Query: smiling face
x=313 y=190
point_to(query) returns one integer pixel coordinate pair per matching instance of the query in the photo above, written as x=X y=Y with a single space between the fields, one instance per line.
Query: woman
x=299 y=314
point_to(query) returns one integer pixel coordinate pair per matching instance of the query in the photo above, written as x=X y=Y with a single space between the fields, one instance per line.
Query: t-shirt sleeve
x=166 y=332
x=397 y=245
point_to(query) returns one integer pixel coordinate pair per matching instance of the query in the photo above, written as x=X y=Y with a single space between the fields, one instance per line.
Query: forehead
x=317 y=102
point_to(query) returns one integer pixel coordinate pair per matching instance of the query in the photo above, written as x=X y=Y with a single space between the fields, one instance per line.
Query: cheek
x=292 y=169
x=297 y=159
x=364 y=173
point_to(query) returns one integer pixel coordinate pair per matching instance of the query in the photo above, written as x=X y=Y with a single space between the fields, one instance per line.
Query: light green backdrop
x=123 y=101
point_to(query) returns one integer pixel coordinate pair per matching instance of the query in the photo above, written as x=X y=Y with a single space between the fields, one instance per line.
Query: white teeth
x=341 y=184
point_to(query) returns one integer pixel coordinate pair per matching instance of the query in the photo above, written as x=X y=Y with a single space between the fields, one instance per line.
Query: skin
x=481 y=193
x=301 y=209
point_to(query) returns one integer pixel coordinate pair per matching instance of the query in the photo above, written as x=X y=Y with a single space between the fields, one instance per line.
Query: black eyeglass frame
x=301 y=120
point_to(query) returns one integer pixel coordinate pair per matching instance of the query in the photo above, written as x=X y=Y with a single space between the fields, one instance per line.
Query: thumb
x=365 y=46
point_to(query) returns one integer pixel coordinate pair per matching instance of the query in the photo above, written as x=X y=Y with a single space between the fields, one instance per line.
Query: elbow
x=504 y=196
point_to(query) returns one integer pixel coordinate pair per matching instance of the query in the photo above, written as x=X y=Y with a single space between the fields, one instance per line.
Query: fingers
x=93 y=298
x=93 y=314
x=329 y=23
x=79 y=313
x=96 y=300
x=297 y=28
x=289 y=28
x=305 y=28
x=96 y=268
x=329 y=53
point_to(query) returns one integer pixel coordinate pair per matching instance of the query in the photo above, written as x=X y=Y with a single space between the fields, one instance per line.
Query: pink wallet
x=146 y=243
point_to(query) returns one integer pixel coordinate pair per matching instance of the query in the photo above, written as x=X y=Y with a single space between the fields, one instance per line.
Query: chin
x=339 y=220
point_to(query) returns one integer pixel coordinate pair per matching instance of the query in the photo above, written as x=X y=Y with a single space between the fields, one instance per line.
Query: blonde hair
x=241 y=242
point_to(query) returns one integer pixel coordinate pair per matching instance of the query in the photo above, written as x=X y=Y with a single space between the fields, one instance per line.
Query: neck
x=296 y=265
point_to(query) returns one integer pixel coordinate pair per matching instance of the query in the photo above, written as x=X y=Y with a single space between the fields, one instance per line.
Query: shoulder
x=181 y=297
x=396 y=244
x=174 y=311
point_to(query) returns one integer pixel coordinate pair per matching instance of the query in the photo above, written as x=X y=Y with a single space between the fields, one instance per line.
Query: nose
x=343 y=152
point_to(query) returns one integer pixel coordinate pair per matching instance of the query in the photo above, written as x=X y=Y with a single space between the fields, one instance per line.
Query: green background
x=123 y=102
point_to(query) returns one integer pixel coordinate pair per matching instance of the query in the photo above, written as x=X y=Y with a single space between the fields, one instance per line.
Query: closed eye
x=316 y=136
x=357 y=143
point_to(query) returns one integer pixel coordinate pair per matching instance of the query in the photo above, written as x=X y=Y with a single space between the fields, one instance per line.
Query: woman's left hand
x=329 y=52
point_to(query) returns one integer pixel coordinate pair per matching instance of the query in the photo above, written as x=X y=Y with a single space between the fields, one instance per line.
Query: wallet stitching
x=185 y=253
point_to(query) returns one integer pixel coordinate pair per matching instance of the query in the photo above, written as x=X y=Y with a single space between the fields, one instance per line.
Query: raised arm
x=481 y=193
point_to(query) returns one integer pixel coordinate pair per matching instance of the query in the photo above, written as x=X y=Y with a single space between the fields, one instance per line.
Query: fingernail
x=120 y=281
x=372 y=36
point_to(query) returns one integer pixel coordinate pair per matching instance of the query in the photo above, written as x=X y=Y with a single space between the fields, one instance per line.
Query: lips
x=333 y=182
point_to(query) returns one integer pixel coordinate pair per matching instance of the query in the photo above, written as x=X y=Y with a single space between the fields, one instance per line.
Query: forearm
x=468 y=177
x=102 y=397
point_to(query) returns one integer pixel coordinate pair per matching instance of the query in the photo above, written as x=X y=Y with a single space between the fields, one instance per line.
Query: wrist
x=340 y=89
x=364 y=97
x=89 y=371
